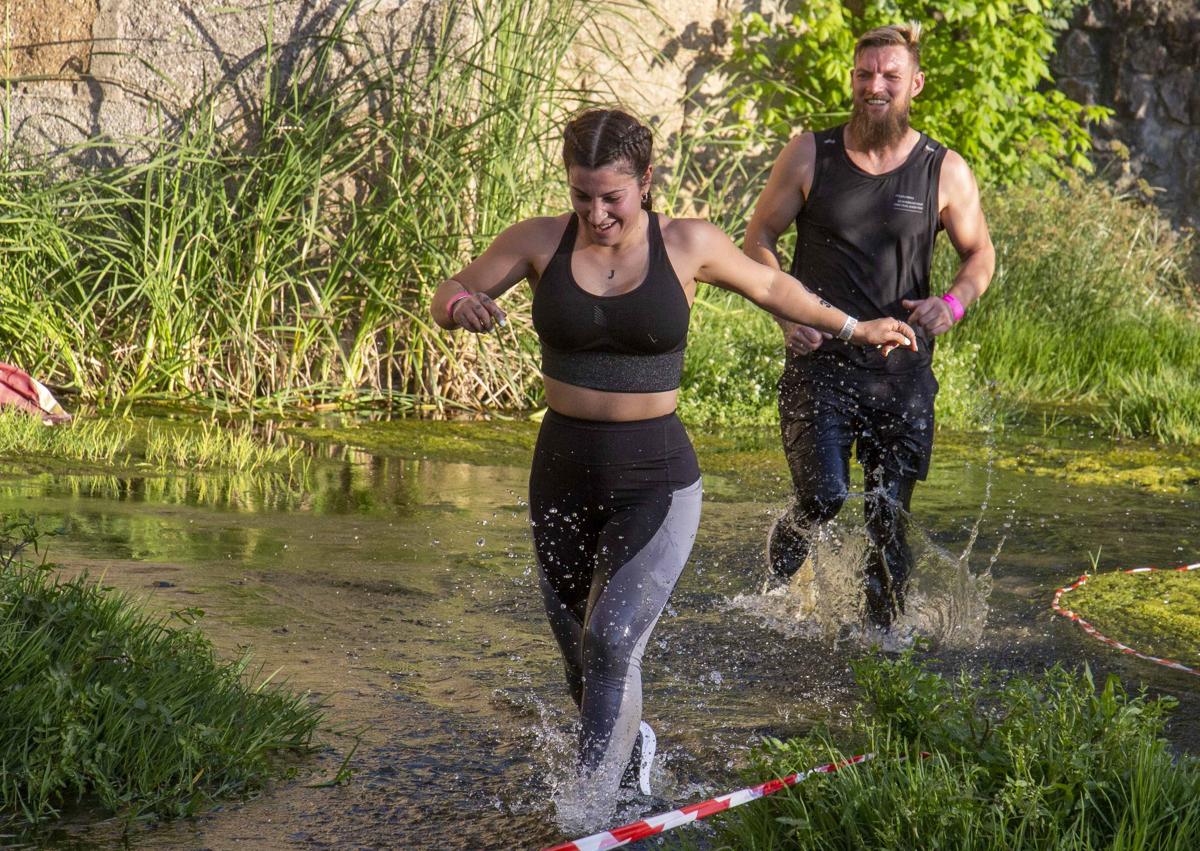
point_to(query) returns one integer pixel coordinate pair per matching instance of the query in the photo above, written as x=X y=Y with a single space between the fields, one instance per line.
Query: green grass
x=110 y=708
x=225 y=447
x=1091 y=303
x=99 y=441
x=1090 y=306
x=298 y=268
x=1030 y=762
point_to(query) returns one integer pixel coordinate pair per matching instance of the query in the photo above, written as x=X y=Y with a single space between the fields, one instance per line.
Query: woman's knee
x=607 y=650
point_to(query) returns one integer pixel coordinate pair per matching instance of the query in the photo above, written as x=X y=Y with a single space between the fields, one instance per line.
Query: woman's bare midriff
x=585 y=403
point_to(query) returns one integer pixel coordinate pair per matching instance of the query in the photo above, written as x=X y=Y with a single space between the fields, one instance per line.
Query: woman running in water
x=614 y=493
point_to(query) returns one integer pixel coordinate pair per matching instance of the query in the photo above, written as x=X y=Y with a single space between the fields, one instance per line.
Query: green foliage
x=1090 y=303
x=1033 y=762
x=733 y=361
x=987 y=92
x=1113 y=329
x=105 y=705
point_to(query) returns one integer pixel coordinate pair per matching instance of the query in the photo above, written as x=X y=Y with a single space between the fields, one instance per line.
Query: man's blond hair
x=906 y=35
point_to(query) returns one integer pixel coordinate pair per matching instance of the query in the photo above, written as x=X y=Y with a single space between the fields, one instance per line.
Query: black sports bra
x=628 y=343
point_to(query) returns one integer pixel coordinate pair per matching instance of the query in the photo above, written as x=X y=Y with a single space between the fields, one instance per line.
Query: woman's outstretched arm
x=778 y=293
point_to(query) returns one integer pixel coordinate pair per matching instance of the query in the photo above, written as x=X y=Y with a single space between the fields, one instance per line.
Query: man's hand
x=932 y=314
x=802 y=339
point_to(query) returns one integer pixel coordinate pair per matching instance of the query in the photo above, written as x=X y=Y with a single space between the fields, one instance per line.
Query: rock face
x=1142 y=58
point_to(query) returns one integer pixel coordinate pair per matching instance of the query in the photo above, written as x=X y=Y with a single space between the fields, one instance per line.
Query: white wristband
x=847 y=329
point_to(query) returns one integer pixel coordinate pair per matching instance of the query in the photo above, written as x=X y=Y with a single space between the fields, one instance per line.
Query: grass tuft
x=1032 y=762
x=210 y=446
x=106 y=706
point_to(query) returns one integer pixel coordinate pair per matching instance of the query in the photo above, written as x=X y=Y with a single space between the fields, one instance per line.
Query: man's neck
x=883 y=158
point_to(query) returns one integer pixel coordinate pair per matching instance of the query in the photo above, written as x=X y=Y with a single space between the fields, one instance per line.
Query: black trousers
x=826 y=408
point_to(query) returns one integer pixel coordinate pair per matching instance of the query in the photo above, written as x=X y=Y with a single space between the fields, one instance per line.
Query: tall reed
x=299 y=266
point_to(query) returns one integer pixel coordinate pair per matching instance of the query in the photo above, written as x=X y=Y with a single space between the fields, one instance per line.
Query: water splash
x=946 y=603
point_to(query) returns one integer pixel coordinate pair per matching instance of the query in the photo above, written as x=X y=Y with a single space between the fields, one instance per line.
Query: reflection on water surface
x=402 y=593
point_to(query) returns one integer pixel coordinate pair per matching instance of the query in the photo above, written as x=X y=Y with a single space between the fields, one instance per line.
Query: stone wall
x=1142 y=58
x=121 y=68
x=117 y=68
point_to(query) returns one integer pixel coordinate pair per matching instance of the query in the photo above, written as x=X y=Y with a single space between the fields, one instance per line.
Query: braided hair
x=602 y=137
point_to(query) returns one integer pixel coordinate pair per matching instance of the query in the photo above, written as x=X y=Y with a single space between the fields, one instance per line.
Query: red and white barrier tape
x=1099 y=636
x=653 y=825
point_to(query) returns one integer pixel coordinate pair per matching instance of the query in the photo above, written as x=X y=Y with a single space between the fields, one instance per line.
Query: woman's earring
x=645 y=197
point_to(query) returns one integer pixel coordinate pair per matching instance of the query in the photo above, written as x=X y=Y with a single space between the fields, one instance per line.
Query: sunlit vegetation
x=295 y=270
x=1160 y=470
x=1156 y=613
x=87 y=439
x=990 y=761
x=1090 y=305
x=298 y=269
x=156 y=444
x=106 y=706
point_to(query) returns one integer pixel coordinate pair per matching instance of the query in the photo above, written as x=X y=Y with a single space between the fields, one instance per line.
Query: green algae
x=748 y=455
x=1158 y=470
x=1156 y=613
x=492 y=442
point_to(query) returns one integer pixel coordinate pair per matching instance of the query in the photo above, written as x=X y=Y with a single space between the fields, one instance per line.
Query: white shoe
x=649 y=744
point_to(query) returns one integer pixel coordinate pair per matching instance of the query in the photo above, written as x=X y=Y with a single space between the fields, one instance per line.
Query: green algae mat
x=1151 y=613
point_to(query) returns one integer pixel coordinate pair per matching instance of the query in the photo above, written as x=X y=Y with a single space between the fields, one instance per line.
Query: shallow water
x=402 y=593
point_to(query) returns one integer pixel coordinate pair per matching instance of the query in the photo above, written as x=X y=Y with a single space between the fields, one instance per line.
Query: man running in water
x=867 y=198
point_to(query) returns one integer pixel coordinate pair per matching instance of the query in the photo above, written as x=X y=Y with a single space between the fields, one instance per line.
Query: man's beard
x=882 y=132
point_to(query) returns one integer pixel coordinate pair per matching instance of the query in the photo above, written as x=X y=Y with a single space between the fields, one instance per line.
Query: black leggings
x=614 y=509
x=824 y=411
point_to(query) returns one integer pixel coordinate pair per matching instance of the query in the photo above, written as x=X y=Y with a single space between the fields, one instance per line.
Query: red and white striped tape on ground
x=1099 y=636
x=634 y=831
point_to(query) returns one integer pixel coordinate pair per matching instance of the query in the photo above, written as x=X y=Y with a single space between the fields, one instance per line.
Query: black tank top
x=628 y=343
x=865 y=241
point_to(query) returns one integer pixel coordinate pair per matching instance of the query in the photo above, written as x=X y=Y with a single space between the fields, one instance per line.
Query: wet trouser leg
x=614 y=508
x=821 y=480
x=889 y=558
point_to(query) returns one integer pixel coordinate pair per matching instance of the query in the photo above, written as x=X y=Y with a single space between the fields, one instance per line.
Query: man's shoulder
x=953 y=164
x=954 y=167
x=799 y=154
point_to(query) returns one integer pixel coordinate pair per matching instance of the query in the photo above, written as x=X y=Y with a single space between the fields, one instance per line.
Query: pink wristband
x=955 y=306
x=455 y=299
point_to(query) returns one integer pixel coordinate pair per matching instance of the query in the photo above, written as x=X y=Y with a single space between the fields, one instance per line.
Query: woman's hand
x=885 y=333
x=477 y=313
